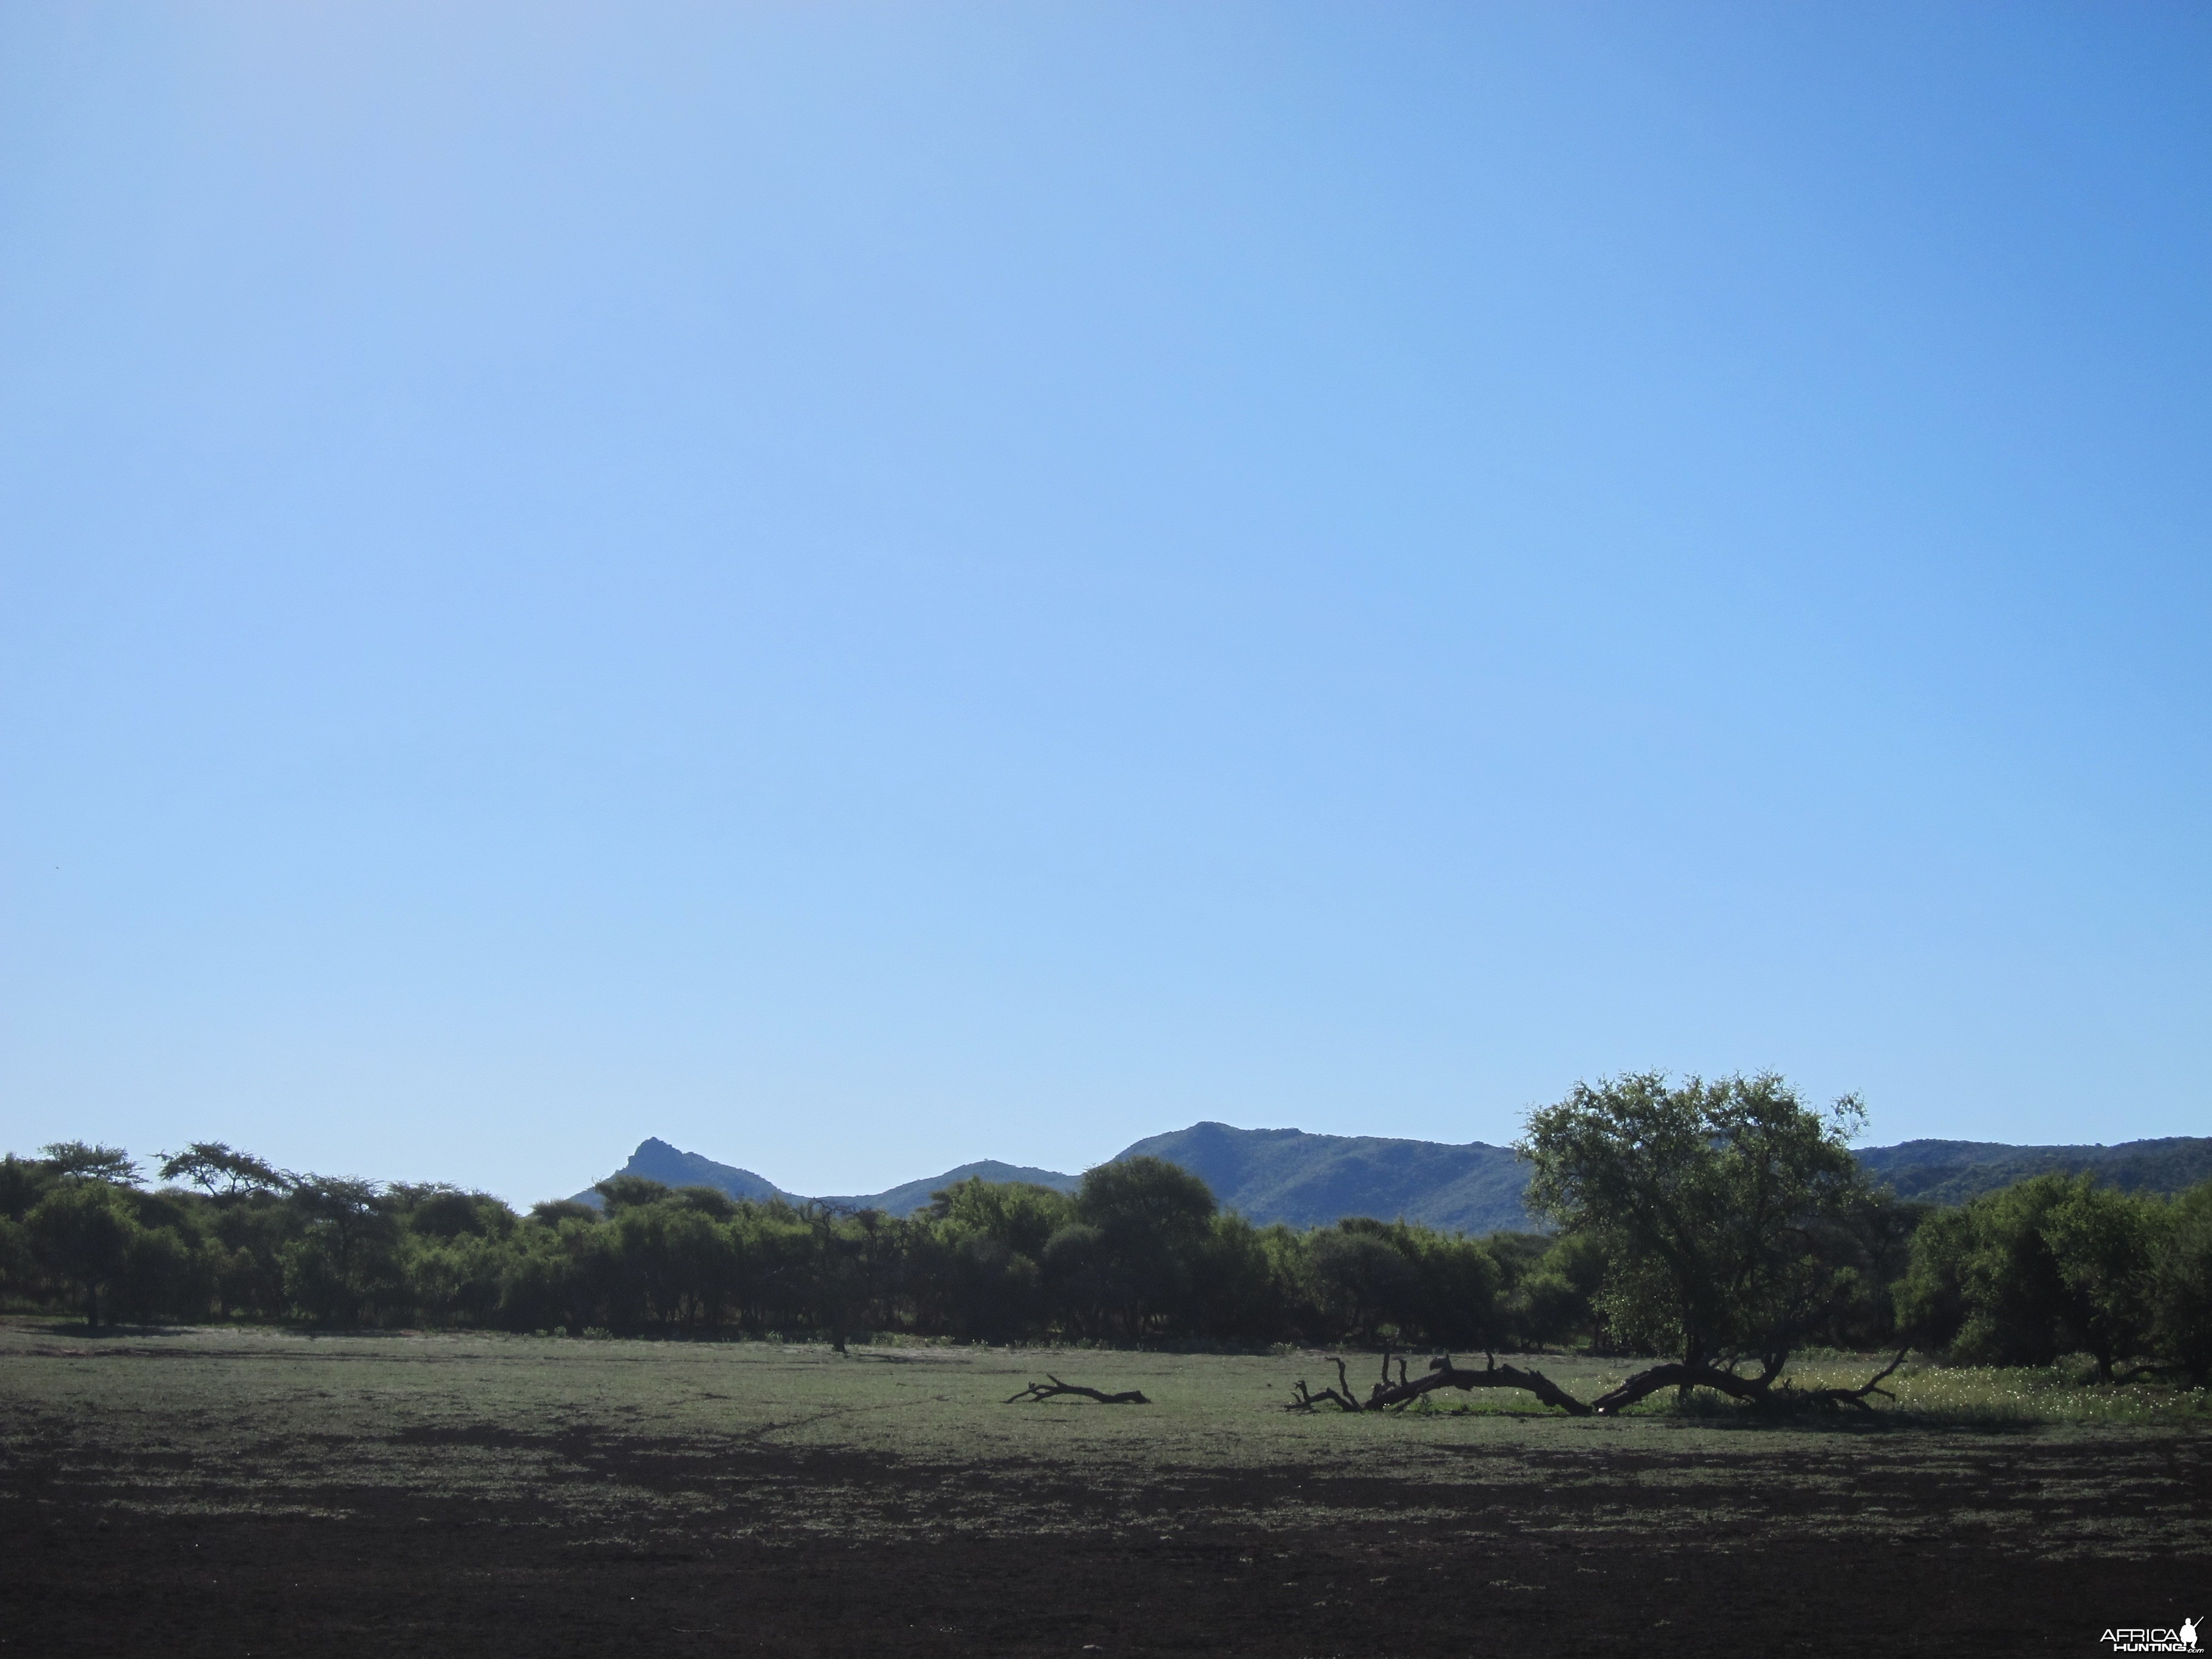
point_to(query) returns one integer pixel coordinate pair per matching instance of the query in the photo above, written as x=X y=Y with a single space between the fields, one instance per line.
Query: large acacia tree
x=1724 y=1211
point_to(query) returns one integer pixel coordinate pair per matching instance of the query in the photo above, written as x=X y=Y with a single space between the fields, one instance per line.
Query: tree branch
x=1387 y=1395
x=1302 y=1399
x=1758 y=1390
x=1053 y=1389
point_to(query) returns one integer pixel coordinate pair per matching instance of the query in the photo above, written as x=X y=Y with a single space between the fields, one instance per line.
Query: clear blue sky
x=861 y=587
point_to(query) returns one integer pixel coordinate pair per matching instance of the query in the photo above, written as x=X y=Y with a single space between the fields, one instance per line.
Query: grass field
x=227 y=1491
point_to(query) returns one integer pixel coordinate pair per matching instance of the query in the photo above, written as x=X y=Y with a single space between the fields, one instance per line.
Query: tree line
x=1725 y=1226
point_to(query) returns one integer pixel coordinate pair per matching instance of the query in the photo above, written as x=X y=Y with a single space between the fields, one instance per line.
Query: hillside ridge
x=1307 y=1180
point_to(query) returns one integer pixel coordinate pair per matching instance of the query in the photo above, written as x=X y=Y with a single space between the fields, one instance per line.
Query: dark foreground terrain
x=404 y=1576
x=152 y=1506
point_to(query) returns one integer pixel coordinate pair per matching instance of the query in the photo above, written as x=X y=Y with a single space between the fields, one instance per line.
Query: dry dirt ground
x=232 y=1493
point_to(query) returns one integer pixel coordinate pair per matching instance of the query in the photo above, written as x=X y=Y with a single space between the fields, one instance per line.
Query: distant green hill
x=1286 y=1175
x=915 y=1195
x=656 y=1160
x=1308 y=1180
x=1953 y=1171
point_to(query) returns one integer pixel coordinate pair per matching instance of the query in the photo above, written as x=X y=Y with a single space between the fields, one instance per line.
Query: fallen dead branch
x=1396 y=1396
x=1396 y=1393
x=1759 y=1391
x=1051 y=1388
x=1303 y=1399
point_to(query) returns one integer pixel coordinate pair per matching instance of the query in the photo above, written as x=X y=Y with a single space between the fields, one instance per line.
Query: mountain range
x=1953 y=1171
x=656 y=1160
x=1308 y=1180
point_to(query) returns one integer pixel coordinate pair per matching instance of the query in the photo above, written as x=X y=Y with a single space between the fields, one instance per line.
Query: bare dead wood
x=1857 y=1396
x=1396 y=1393
x=1388 y=1395
x=1678 y=1373
x=1443 y=1374
x=1304 y=1399
x=1053 y=1389
x=1759 y=1391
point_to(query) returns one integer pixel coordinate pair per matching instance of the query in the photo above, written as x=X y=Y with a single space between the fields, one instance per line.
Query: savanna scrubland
x=251 y=1411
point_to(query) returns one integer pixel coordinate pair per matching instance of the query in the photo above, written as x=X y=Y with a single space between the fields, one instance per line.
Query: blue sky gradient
x=863 y=587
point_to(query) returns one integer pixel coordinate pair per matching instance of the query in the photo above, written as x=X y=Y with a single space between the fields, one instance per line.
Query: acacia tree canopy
x=221 y=1171
x=86 y=1162
x=1710 y=1200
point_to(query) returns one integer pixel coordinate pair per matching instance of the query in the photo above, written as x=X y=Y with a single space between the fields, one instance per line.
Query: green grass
x=621 y=1438
x=2024 y=1396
